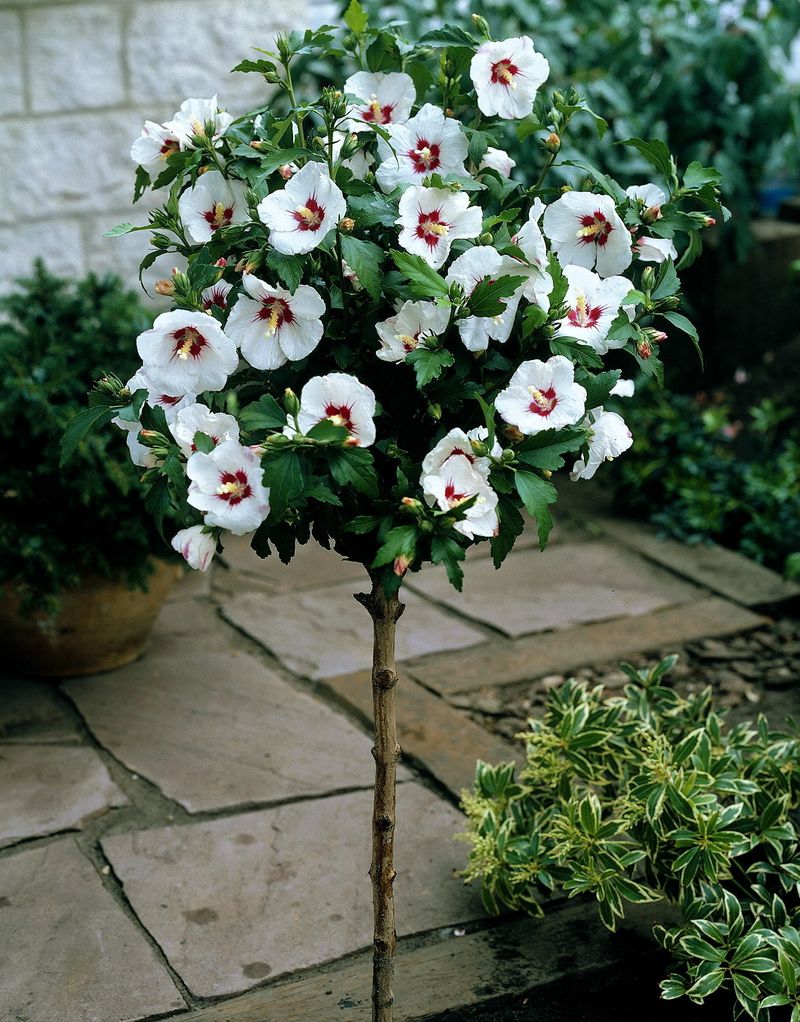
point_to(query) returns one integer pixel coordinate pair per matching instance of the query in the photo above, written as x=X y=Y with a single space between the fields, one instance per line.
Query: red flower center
x=504 y=72
x=594 y=229
x=464 y=454
x=542 y=401
x=189 y=342
x=168 y=148
x=169 y=399
x=276 y=311
x=310 y=216
x=218 y=216
x=234 y=487
x=341 y=415
x=451 y=496
x=216 y=299
x=425 y=158
x=431 y=228
x=584 y=314
x=377 y=114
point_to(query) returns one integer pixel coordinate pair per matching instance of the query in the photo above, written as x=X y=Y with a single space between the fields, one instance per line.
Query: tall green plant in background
x=56 y=337
x=647 y=796
x=707 y=77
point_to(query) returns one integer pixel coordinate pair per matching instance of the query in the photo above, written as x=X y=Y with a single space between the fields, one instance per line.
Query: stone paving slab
x=311 y=566
x=30 y=711
x=69 y=953
x=215 y=728
x=48 y=788
x=323 y=632
x=567 y=585
x=506 y=663
x=509 y=959
x=445 y=740
x=239 y=899
x=723 y=571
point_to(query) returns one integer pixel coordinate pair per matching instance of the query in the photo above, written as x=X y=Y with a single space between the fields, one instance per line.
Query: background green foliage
x=55 y=338
x=684 y=71
x=647 y=796
x=715 y=471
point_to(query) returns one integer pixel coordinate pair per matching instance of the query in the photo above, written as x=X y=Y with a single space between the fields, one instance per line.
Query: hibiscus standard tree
x=386 y=335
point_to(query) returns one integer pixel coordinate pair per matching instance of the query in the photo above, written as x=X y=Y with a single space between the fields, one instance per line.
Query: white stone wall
x=77 y=80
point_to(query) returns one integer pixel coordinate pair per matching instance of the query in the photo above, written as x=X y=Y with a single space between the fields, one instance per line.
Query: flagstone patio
x=189 y=835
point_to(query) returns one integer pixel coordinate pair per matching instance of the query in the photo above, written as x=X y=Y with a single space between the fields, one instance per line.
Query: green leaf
x=327 y=432
x=126 y=228
x=445 y=550
x=425 y=281
x=544 y=450
x=384 y=54
x=667 y=283
x=363 y=524
x=598 y=388
x=581 y=354
x=356 y=19
x=283 y=474
x=80 y=425
x=707 y=984
x=370 y=210
x=486 y=299
x=697 y=175
x=365 y=258
x=686 y=325
x=203 y=442
x=400 y=541
x=450 y=35
x=158 y=502
x=288 y=267
x=265 y=413
x=262 y=67
x=353 y=466
x=428 y=363
x=536 y=493
x=512 y=525
x=656 y=153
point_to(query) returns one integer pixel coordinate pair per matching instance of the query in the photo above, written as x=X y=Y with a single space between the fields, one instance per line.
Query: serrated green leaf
x=536 y=493
x=487 y=297
x=203 y=442
x=446 y=550
x=401 y=541
x=283 y=474
x=355 y=17
x=428 y=363
x=353 y=466
x=80 y=425
x=365 y=258
x=425 y=281
x=686 y=326
x=265 y=413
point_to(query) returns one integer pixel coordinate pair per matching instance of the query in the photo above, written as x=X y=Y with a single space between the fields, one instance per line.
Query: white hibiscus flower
x=457 y=443
x=468 y=271
x=542 y=395
x=359 y=165
x=585 y=230
x=413 y=323
x=196 y=545
x=216 y=296
x=433 y=218
x=654 y=250
x=608 y=438
x=227 y=485
x=507 y=75
x=429 y=143
x=198 y=418
x=344 y=400
x=385 y=98
x=592 y=306
x=272 y=325
x=193 y=117
x=151 y=149
x=211 y=203
x=533 y=246
x=623 y=388
x=187 y=352
x=454 y=483
x=650 y=198
x=301 y=214
x=499 y=160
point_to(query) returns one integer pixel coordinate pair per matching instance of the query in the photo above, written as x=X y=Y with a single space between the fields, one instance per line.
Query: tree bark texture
x=384 y=611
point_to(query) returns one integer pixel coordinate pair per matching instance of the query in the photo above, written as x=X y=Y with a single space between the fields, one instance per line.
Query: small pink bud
x=164 y=287
x=221 y=262
x=651 y=214
x=287 y=170
x=401 y=564
x=709 y=222
x=644 y=349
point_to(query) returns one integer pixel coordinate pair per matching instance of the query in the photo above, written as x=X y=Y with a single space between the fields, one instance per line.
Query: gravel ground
x=750 y=674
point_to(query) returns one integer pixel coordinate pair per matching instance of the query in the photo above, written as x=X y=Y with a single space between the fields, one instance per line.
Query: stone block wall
x=78 y=79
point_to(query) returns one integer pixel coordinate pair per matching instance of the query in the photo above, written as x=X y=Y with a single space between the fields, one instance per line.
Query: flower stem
x=384 y=611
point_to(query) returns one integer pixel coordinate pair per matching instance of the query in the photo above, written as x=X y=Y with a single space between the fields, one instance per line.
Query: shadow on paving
x=605 y=996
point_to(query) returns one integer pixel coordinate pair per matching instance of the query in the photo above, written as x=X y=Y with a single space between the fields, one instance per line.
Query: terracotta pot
x=102 y=624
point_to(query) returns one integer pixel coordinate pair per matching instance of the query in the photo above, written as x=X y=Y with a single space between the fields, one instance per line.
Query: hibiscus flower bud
x=222 y=262
x=346 y=224
x=401 y=563
x=202 y=170
x=508 y=455
x=514 y=434
x=486 y=238
x=449 y=112
x=648 y=277
x=164 y=287
x=552 y=143
x=256 y=144
x=644 y=349
x=651 y=214
x=252 y=262
x=291 y=402
x=196 y=545
x=656 y=336
x=412 y=504
x=435 y=410
x=547 y=473
x=709 y=221
x=479 y=448
x=482 y=25
x=287 y=170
